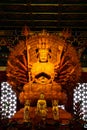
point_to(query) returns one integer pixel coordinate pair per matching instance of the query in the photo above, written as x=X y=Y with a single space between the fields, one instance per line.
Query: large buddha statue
x=43 y=70
x=42 y=74
x=43 y=64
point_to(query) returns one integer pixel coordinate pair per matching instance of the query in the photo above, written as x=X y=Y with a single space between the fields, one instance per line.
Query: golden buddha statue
x=44 y=69
x=55 y=109
x=42 y=73
x=27 y=111
x=41 y=107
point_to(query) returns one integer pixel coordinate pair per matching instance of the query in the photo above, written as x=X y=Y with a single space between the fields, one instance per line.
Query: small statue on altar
x=27 y=111
x=55 y=109
x=41 y=107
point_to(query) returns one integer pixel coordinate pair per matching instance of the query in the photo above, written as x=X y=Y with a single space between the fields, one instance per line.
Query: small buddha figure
x=55 y=109
x=27 y=111
x=41 y=107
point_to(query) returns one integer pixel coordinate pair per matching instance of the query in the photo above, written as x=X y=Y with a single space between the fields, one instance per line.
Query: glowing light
x=8 y=101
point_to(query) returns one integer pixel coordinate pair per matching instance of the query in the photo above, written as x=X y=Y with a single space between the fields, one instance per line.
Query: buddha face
x=43 y=55
x=41 y=96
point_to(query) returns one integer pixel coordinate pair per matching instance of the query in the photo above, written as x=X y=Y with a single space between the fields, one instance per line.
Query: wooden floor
x=28 y=126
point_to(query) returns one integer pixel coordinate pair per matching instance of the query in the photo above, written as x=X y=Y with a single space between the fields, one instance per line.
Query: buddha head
x=43 y=50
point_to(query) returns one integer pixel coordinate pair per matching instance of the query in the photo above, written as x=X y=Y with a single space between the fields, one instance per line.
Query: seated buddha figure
x=43 y=70
x=42 y=75
x=41 y=107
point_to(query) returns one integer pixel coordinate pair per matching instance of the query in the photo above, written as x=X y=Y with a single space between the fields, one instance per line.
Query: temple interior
x=43 y=65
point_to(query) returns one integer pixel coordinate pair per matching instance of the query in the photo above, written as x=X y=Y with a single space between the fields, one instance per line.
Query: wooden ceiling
x=52 y=15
